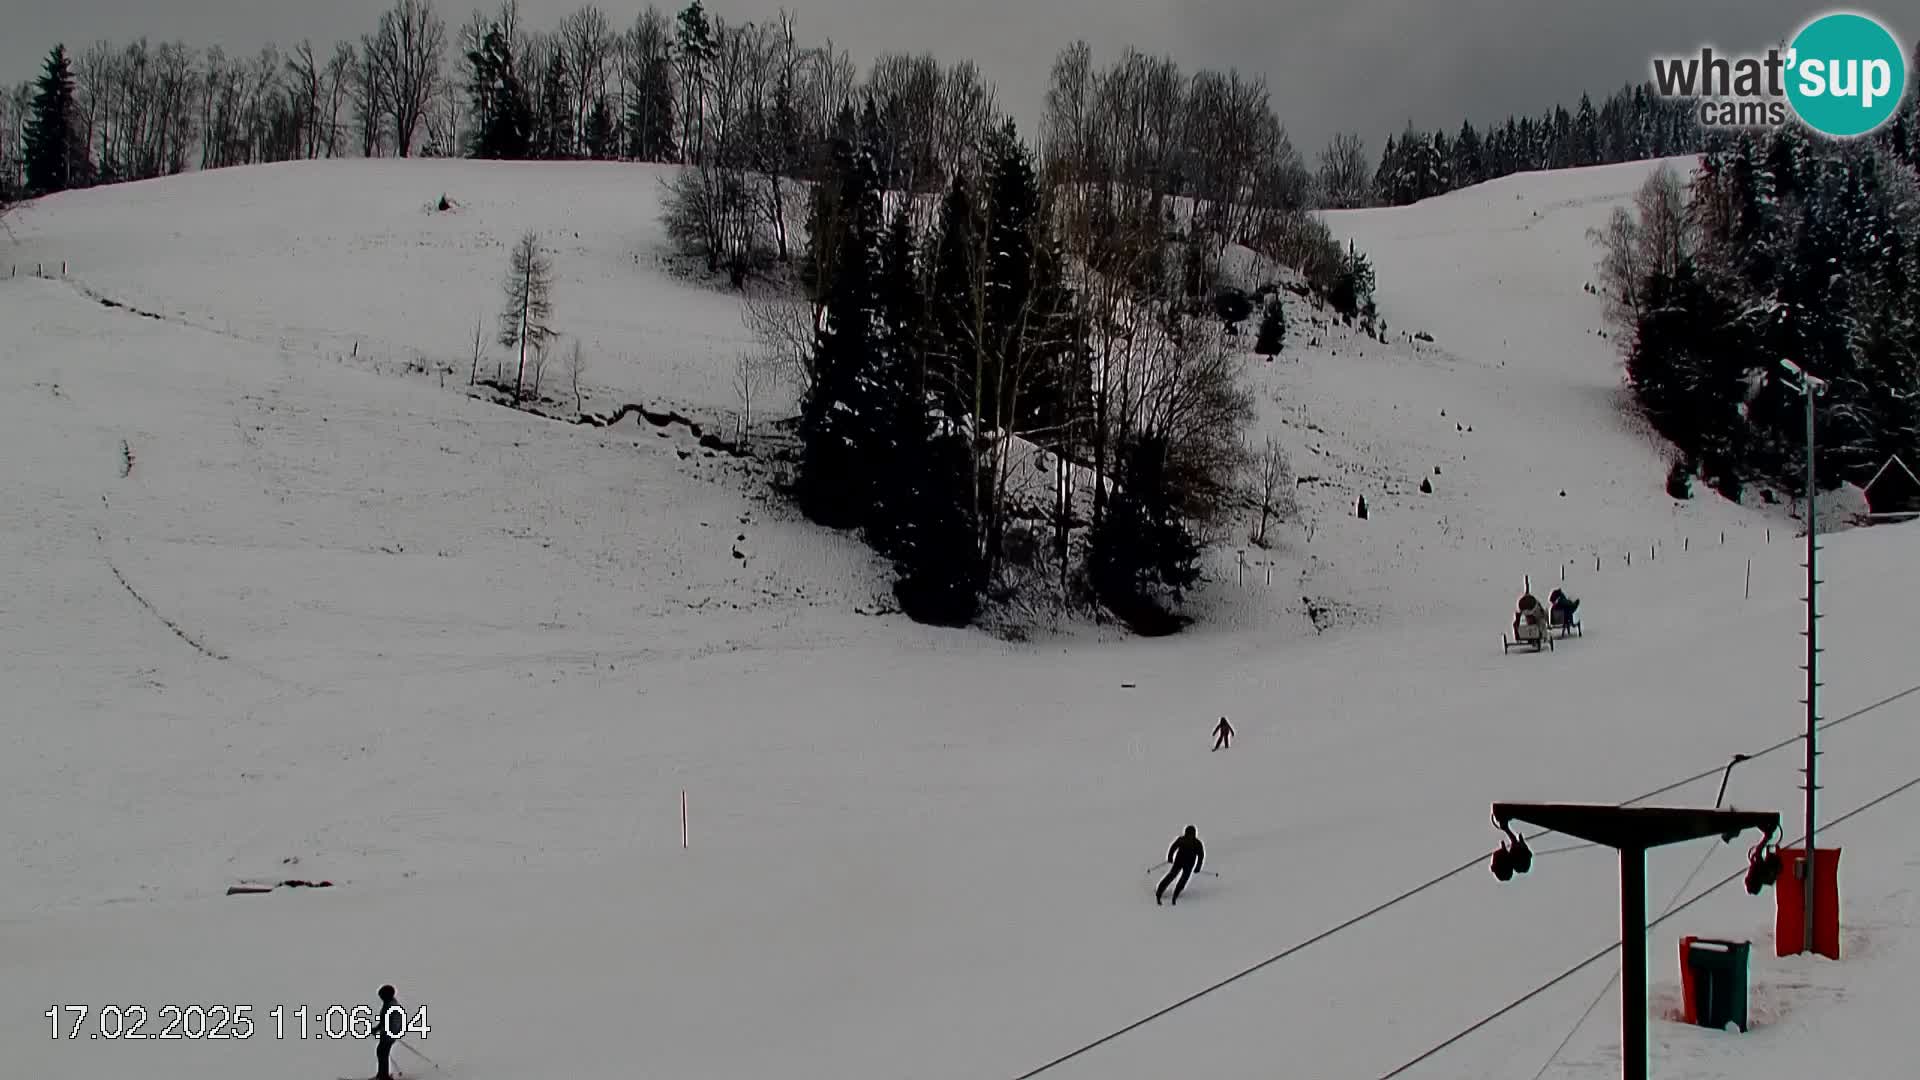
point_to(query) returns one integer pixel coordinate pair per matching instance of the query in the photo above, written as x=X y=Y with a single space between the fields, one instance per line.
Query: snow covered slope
x=270 y=610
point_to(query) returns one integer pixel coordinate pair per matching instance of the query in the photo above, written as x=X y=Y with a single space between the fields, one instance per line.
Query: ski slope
x=278 y=604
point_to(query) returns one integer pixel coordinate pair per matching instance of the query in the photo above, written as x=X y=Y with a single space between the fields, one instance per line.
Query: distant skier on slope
x=1187 y=855
x=392 y=1024
x=1223 y=734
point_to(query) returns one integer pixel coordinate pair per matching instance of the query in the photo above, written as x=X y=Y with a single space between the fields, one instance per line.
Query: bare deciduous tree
x=786 y=330
x=526 y=319
x=576 y=367
x=588 y=39
x=711 y=210
x=370 y=95
x=1272 y=490
x=306 y=84
x=753 y=375
x=339 y=86
x=1345 y=178
x=1656 y=237
x=539 y=369
x=408 y=50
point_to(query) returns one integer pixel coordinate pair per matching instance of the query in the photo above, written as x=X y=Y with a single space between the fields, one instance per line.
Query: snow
x=462 y=662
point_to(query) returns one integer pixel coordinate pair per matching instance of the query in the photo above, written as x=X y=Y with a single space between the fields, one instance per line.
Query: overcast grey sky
x=1360 y=65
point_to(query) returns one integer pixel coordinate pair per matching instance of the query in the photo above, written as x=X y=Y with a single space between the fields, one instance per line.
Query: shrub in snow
x=1232 y=306
x=1680 y=479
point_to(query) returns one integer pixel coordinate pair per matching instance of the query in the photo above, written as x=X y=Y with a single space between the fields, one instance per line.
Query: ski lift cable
x=1440 y=879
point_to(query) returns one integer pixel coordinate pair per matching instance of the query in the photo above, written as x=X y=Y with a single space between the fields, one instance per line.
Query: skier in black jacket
x=392 y=1025
x=1187 y=855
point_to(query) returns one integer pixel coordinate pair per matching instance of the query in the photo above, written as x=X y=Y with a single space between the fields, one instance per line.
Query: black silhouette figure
x=1187 y=855
x=1223 y=734
x=392 y=1024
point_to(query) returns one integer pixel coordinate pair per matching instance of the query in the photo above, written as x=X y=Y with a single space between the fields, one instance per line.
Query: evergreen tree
x=649 y=126
x=1141 y=547
x=1561 y=150
x=56 y=154
x=1273 y=329
x=602 y=138
x=1442 y=180
x=923 y=515
x=553 y=127
x=825 y=219
x=1688 y=366
x=1352 y=293
x=840 y=418
x=1586 y=134
x=694 y=52
x=902 y=418
x=1805 y=254
x=941 y=572
x=1469 y=161
x=499 y=100
x=956 y=319
x=1386 y=175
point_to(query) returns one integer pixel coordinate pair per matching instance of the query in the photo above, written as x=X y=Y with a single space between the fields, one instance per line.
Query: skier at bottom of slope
x=1187 y=855
x=392 y=1024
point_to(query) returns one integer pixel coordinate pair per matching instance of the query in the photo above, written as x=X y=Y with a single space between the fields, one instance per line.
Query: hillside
x=277 y=607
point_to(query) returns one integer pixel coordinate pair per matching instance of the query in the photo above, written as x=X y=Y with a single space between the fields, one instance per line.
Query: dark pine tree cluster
x=1633 y=124
x=932 y=351
x=1787 y=247
x=503 y=118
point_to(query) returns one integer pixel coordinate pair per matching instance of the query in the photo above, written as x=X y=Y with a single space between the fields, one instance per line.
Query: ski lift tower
x=1632 y=831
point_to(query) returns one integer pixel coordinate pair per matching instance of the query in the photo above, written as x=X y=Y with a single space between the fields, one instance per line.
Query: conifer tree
x=55 y=151
x=602 y=138
x=1141 y=548
x=499 y=100
x=650 y=112
x=553 y=127
x=837 y=421
x=1273 y=329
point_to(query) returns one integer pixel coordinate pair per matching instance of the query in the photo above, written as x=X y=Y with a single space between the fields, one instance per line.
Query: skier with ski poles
x=1187 y=855
x=1223 y=734
x=392 y=1026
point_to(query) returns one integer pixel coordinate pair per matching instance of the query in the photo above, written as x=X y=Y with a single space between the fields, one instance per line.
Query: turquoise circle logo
x=1846 y=74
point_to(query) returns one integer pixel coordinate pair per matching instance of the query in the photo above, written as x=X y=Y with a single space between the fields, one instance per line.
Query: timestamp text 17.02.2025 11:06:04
x=169 y=1022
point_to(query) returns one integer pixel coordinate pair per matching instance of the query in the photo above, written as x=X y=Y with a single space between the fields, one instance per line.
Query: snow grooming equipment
x=1563 y=614
x=1527 y=634
x=1530 y=624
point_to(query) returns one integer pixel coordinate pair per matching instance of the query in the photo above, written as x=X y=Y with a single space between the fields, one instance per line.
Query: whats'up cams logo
x=1843 y=74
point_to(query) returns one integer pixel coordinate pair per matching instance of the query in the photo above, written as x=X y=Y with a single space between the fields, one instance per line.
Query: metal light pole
x=1810 y=387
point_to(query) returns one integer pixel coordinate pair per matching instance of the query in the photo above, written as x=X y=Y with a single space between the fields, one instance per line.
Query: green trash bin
x=1719 y=970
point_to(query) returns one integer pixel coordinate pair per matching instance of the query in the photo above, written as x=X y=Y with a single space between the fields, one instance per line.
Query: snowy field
x=276 y=604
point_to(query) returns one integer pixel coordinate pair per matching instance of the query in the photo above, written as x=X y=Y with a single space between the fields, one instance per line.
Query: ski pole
x=417 y=1053
x=1209 y=873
